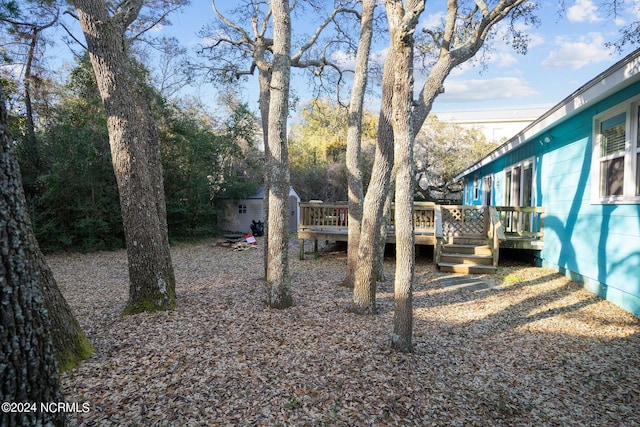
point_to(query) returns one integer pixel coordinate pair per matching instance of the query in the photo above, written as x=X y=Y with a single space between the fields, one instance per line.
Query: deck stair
x=466 y=256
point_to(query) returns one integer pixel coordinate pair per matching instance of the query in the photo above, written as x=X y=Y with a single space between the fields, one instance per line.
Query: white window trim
x=629 y=107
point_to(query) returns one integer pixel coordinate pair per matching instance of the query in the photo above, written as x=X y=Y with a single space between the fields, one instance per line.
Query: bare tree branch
x=296 y=57
x=247 y=38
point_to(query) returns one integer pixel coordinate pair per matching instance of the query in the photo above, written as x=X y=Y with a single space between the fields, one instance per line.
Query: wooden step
x=466 y=268
x=466 y=256
x=470 y=259
x=465 y=240
x=466 y=249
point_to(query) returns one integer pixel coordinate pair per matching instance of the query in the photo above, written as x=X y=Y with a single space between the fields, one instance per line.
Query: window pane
x=638 y=174
x=612 y=135
x=515 y=187
x=527 y=180
x=638 y=124
x=612 y=177
x=507 y=188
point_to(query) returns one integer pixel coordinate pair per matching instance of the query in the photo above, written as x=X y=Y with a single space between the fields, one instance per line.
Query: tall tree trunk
x=402 y=22
x=278 y=278
x=28 y=77
x=264 y=82
x=135 y=154
x=364 y=290
x=29 y=373
x=354 y=140
x=378 y=263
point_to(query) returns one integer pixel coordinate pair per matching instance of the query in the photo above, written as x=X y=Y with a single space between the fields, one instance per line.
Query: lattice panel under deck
x=462 y=221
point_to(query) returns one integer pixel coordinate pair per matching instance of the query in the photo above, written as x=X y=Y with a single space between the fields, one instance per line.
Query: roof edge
x=627 y=70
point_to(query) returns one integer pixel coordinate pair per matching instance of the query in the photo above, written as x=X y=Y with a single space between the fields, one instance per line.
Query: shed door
x=293 y=214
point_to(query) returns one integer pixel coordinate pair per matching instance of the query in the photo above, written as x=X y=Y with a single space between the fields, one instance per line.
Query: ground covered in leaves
x=535 y=349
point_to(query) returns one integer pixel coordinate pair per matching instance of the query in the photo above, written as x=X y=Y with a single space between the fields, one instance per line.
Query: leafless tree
x=466 y=27
x=236 y=51
x=353 y=157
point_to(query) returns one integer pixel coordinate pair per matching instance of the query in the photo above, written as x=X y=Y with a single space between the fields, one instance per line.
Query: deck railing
x=316 y=216
x=525 y=222
x=511 y=223
x=324 y=216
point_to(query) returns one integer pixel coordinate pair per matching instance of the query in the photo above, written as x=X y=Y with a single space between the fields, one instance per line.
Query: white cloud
x=583 y=11
x=431 y=21
x=503 y=59
x=587 y=49
x=344 y=60
x=379 y=56
x=15 y=70
x=486 y=90
x=535 y=40
x=347 y=60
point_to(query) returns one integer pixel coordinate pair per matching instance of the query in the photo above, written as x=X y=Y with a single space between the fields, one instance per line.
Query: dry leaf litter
x=534 y=350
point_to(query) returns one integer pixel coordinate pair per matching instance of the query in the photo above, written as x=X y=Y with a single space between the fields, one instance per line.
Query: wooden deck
x=500 y=226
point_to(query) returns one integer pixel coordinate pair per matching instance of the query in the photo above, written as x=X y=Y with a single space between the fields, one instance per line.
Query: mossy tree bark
x=69 y=340
x=28 y=369
x=133 y=138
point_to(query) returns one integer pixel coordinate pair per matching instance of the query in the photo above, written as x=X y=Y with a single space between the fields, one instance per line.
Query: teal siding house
x=580 y=161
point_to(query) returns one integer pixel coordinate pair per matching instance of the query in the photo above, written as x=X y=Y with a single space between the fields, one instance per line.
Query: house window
x=242 y=209
x=486 y=190
x=616 y=155
x=476 y=188
x=612 y=142
x=518 y=184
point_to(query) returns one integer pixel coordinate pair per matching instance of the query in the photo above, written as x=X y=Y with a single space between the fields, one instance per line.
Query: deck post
x=301 y=249
x=437 y=219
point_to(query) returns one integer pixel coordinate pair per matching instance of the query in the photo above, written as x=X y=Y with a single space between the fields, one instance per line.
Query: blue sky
x=566 y=50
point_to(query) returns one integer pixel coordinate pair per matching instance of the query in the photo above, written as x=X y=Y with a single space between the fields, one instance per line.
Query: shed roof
x=260 y=193
x=618 y=76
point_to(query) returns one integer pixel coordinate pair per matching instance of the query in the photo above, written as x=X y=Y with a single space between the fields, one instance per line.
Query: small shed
x=239 y=213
